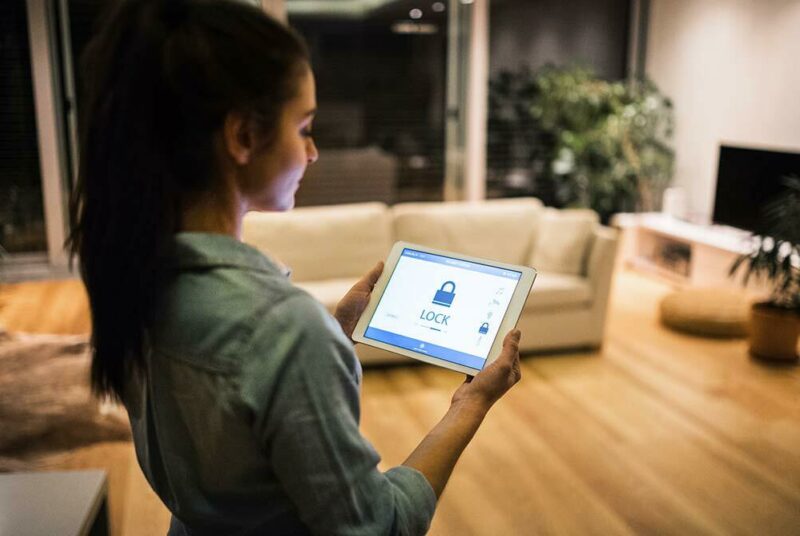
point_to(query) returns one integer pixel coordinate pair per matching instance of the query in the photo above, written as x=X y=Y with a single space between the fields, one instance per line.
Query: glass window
x=381 y=70
x=528 y=36
x=22 y=227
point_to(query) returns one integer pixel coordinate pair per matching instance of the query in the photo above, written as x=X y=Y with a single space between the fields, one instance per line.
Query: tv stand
x=684 y=253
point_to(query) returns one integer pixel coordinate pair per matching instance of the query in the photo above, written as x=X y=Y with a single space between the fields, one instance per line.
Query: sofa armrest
x=602 y=256
x=600 y=271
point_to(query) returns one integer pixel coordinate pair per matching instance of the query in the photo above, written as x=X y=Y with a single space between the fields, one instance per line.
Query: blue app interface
x=443 y=307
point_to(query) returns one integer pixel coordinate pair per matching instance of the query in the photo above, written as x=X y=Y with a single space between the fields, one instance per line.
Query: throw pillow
x=562 y=241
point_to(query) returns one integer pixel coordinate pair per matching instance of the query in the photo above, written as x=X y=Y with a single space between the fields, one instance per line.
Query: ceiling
x=359 y=9
x=342 y=8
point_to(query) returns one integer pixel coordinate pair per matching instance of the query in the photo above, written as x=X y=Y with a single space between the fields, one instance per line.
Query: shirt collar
x=207 y=250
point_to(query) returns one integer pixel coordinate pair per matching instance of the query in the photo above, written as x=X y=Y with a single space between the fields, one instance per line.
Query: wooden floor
x=659 y=433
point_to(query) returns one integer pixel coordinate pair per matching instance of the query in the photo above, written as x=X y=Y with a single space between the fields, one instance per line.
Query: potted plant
x=775 y=256
x=610 y=141
x=576 y=140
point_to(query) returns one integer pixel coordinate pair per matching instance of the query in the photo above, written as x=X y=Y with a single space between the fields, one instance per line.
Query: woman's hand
x=349 y=309
x=492 y=382
x=438 y=453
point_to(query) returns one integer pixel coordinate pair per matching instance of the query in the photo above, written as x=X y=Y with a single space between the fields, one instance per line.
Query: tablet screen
x=443 y=307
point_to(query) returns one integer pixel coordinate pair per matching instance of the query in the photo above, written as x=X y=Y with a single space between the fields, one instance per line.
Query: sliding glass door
x=393 y=78
x=390 y=91
x=22 y=221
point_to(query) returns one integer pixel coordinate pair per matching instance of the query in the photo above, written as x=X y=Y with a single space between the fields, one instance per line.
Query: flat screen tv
x=746 y=180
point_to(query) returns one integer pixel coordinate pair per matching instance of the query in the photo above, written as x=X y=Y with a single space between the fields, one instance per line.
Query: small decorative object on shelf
x=775 y=256
x=674 y=203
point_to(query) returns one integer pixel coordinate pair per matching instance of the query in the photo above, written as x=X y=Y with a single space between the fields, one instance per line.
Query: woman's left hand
x=349 y=309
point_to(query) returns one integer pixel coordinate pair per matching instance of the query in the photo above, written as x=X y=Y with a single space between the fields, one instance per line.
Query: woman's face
x=274 y=174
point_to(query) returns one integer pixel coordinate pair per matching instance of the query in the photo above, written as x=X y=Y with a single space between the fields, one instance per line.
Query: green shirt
x=247 y=420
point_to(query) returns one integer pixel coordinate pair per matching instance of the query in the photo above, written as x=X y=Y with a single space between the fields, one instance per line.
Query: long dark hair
x=160 y=77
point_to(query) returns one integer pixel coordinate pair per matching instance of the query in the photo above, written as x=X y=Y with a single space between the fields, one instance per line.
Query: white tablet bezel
x=515 y=306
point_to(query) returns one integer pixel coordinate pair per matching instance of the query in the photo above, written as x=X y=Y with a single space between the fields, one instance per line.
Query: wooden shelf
x=680 y=252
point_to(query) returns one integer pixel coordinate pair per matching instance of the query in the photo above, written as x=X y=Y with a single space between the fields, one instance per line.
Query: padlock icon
x=444 y=297
x=484 y=329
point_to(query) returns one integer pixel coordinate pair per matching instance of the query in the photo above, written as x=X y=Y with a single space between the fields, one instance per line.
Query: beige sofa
x=329 y=248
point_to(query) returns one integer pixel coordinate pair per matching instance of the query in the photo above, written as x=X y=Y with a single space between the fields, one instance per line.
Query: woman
x=242 y=391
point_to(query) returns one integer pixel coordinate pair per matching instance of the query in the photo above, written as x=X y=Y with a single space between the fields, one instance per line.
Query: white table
x=60 y=503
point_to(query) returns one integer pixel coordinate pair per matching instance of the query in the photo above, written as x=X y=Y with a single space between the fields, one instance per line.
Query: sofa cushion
x=559 y=291
x=329 y=291
x=499 y=229
x=562 y=240
x=319 y=243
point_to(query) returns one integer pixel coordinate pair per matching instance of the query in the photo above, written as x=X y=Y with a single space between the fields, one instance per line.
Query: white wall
x=732 y=68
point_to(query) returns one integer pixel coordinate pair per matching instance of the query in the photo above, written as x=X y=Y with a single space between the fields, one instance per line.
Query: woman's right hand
x=438 y=453
x=494 y=380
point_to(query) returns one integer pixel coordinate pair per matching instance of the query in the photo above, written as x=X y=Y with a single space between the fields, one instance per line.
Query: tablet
x=444 y=308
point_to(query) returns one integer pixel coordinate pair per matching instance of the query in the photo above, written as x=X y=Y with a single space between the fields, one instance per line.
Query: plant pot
x=773 y=332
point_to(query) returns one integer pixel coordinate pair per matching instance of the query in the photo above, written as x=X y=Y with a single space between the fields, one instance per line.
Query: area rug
x=46 y=406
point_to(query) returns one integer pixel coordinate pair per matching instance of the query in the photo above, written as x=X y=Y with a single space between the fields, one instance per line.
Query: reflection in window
x=381 y=73
x=22 y=227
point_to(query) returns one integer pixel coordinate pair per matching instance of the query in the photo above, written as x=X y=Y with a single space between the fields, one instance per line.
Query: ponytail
x=160 y=77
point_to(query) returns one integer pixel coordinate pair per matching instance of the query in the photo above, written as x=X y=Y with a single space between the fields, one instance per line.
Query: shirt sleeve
x=307 y=420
